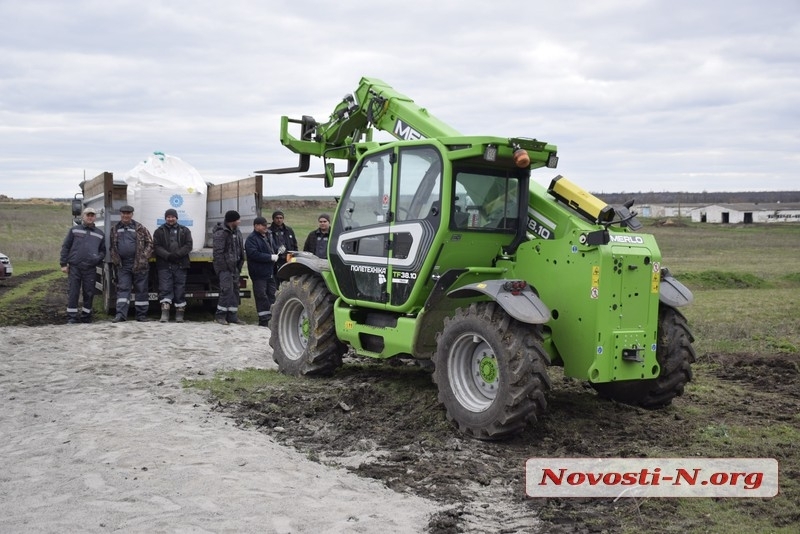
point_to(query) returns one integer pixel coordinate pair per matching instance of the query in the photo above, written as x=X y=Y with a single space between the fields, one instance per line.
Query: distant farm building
x=658 y=211
x=747 y=213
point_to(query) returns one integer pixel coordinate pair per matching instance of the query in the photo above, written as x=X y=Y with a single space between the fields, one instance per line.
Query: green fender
x=522 y=304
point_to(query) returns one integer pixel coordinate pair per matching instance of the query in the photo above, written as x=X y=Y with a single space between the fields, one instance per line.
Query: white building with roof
x=747 y=213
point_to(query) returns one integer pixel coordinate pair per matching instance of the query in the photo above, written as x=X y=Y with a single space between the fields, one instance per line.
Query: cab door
x=417 y=205
x=387 y=219
x=359 y=248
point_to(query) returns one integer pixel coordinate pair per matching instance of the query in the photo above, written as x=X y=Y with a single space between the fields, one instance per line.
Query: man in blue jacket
x=83 y=249
x=261 y=259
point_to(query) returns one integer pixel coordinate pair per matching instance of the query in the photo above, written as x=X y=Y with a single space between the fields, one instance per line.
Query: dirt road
x=100 y=436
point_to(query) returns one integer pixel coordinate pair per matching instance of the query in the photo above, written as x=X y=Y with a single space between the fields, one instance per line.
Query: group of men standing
x=265 y=252
x=132 y=246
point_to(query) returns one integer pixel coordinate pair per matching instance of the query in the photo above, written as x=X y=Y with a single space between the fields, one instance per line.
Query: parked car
x=5 y=267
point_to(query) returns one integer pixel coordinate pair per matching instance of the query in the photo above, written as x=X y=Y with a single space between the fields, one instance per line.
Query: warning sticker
x=655 y=281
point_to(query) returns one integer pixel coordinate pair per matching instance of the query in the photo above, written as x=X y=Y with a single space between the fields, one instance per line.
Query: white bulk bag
x=162 y=182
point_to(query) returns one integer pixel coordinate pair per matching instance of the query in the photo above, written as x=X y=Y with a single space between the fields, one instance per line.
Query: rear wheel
x=491 y=371
x=303 y=334
x=675 y=356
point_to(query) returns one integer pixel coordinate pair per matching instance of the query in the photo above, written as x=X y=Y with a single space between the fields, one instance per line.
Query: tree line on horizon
x=705 y=197
x=652 y=197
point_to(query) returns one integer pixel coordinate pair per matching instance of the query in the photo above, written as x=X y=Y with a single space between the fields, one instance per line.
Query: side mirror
x=77 y=206
x=329 y=174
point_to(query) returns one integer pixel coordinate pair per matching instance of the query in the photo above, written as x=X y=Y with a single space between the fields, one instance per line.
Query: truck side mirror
x=77 y=206
x=329 y=174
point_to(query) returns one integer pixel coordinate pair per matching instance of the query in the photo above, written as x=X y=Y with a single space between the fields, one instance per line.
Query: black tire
x=675 y=356
x=303 y=334
x=109 y=285
x=491 y=371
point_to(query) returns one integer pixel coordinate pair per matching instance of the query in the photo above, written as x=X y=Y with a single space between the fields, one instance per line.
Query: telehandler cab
x=444 y=250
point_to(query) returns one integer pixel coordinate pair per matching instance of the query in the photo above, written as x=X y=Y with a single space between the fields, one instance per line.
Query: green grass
x=30 y=289
x=745 y=320
x=746 y=283
x=33 y=232
x=768 y=252
x=239 y=384
x=722 y=280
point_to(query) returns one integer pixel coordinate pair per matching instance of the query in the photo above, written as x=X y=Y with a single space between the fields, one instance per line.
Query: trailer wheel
x=675 y=355
x=491 y=371
x=109 y=285
x=303 y=335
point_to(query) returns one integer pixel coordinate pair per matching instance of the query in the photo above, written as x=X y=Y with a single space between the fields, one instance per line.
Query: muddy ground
x=382 y=420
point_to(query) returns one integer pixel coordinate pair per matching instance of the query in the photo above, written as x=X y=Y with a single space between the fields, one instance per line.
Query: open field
x=382 y=421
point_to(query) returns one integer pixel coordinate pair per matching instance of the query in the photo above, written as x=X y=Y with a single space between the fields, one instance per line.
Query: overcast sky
x=637 y=95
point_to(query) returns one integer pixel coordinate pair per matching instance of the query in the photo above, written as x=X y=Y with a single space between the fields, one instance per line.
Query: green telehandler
x=442 y=249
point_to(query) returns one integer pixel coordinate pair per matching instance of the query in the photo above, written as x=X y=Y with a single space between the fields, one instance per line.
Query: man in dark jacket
x=317 y=240
x=131 y=248
x=260 y=262
x=83 y=249
x=228 y=261
x=173 y=243
x=283 y=240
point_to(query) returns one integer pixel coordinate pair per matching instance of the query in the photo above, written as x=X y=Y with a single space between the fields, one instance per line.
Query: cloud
x=638 y=95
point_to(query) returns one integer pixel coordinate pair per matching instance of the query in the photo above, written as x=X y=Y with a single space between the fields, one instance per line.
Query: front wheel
x=675 y=356
x=491 y=371
x=303 y=334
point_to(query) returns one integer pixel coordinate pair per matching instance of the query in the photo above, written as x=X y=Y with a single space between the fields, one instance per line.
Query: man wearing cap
x=283 y=239
x=261 y=259
x=173 y=243
x=228 y=258
x=317 y=240
x=131 y=248
x=83 y=249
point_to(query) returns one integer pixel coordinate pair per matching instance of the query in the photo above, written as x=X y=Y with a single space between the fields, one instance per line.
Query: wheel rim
x=295 y=329
x=473 y=372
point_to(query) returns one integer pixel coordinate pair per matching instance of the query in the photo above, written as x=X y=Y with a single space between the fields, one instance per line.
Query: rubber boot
x=164 y=312
x=233 y=318
x=179 y=315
